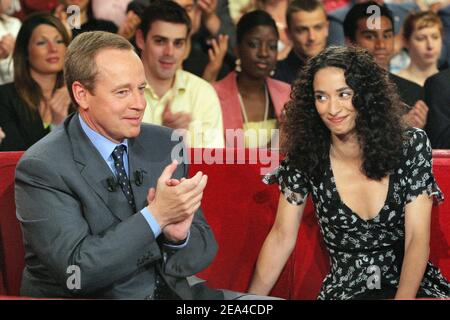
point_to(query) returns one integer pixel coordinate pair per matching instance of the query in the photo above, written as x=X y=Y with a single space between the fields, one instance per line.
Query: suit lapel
x=94 y=170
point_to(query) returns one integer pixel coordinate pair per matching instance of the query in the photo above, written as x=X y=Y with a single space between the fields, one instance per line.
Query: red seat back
x=440 y=217
x=241 y=210
x=11 y=242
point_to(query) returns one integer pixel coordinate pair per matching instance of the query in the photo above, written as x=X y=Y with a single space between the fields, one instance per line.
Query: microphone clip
x=112 y=184
x=139 y=177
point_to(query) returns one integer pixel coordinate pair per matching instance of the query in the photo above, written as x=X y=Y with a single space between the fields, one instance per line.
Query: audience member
x=38 y=99
x=112 y=10
x=399 y=13
x=307 y=27
x=9 y=27
x=437 y=97
x=176 y=98
x=422 y=36
x=210 y=54
x=277 y=9
x=87 y=20
x=379 y=41
x=249 y=98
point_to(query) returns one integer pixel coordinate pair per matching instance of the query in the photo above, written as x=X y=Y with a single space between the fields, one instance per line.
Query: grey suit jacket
x=69 y=218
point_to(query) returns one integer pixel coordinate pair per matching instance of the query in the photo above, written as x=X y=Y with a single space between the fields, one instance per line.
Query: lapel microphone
x=138 y=180
x=112 y=184
x=139 y=177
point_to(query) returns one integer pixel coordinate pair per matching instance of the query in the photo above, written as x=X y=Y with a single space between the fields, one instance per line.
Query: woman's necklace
x=266 y=110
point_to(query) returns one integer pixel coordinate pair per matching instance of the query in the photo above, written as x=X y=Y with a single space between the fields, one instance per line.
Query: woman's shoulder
x=8 y=91
x=414 y=136
x=226 y=81
x=415 y=142
x=227 y=87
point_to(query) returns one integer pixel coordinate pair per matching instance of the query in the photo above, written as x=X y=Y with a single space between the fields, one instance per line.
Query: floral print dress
x=366 y=255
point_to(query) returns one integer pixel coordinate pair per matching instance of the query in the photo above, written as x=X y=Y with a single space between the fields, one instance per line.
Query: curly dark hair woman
x=378 y=125
x=370 y=180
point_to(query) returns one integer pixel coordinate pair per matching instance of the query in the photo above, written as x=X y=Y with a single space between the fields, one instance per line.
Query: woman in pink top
x=250 y=99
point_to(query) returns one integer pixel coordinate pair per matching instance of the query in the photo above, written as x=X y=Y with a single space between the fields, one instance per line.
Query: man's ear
x=288 y=33
x=140 y=41
x=80 y=94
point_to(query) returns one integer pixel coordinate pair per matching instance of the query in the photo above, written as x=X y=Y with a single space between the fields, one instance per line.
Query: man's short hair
x=302 y=5
x=79 y=64
x=359 y=11
x=167 y=11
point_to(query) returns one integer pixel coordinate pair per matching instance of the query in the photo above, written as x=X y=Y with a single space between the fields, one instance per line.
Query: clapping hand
x=177 y=120
x=59 y=105
x=7 y=43
x=174 y=202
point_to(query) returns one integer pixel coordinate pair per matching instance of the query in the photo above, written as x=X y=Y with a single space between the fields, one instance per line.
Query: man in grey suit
x=105 y=212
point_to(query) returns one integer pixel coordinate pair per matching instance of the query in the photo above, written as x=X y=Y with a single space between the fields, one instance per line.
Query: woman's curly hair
x=378 y=125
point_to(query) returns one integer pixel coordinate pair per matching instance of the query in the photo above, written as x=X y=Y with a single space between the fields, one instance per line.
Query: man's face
x=308 y=32
x=116 y=107
x=379 y=42
x=163 y=49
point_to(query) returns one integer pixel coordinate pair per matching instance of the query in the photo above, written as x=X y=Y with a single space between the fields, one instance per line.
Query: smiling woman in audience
x=38 y=98
x=370 y=179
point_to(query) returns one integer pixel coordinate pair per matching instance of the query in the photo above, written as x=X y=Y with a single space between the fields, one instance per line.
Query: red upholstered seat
x=240 y=210
x=11 y=247
x=440 y=219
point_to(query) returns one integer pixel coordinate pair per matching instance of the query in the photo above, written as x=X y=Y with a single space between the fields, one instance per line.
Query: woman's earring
x=272 y=73
x=238 y=65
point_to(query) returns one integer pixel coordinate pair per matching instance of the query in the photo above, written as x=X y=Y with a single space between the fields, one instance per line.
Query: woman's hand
x=7 y=43
x=61 y=14
x=216 y=55
x=128 y=28
x=59 y=105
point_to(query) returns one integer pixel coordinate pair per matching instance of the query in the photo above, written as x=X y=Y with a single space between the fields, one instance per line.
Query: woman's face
x=258 y=51
x=333 y=101
x=425 y=45
x=46 y=50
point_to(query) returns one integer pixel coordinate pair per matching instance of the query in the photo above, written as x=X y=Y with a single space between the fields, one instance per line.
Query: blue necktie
x=162 y=291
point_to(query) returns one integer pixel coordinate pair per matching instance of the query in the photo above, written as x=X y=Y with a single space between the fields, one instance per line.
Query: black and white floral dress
x=366 y=255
